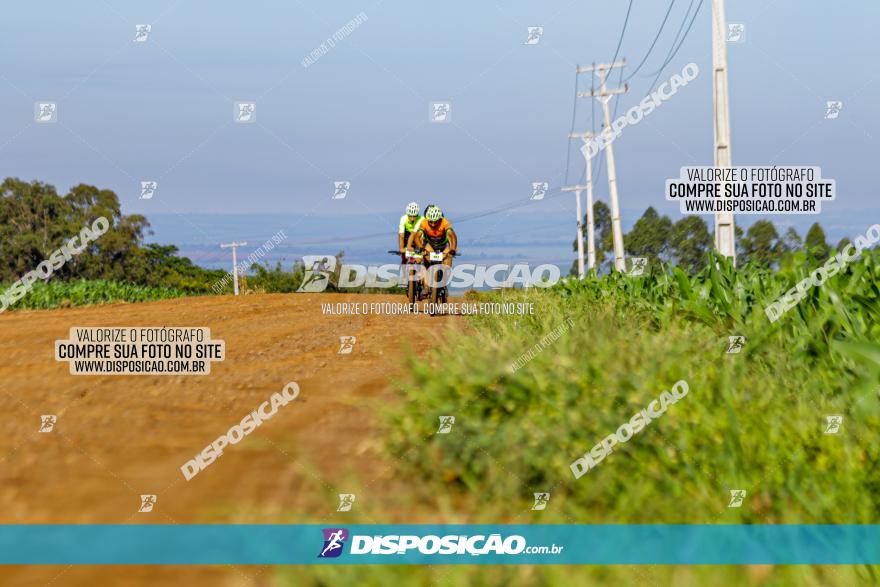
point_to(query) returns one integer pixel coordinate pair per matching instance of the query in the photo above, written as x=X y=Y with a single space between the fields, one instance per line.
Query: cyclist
x=409 y=223
x=434 y=234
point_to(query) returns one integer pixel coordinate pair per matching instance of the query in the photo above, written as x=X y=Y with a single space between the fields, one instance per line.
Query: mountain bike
x=414 y=285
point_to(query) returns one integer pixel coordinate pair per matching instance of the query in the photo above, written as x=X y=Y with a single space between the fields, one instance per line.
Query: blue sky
x=163 y=109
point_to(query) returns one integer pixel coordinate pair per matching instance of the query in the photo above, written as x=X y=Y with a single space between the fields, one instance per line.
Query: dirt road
x=118 y=437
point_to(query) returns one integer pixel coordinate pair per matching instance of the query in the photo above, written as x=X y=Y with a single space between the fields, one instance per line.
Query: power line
x=675 y=52
x=622 y=31
x=653 y=43
x=516 y=203
x=617 y=52
x=684 y=21
x=573 y=118
x=489 y=212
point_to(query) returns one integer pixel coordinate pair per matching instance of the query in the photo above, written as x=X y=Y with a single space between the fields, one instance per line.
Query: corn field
x=63 y=294
x=753 y=420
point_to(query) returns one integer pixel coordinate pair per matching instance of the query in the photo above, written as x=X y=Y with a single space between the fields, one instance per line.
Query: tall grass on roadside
x=752 y=420
x=62 y=294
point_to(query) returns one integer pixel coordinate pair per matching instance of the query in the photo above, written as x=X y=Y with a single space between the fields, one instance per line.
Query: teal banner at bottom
x=439 y=544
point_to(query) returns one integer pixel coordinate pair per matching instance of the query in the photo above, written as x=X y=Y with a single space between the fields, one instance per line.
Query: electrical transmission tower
x=604 y=95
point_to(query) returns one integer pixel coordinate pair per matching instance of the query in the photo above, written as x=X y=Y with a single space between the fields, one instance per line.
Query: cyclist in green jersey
x=409 y=223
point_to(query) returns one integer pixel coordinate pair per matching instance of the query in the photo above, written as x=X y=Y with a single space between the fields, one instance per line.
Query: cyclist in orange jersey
x=434 y=234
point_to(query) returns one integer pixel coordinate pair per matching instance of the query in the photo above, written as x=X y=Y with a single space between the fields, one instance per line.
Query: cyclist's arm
x=412 y=240
x=401 y=229
x=451 y=240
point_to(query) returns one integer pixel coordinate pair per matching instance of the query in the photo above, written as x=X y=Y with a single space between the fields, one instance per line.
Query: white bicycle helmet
x=412 y=209
x=434 y=214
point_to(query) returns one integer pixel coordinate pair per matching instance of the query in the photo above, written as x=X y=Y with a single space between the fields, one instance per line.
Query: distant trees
x=604 y=238
x=687 y=241
x=815 y=243
x=35 y=221
x=650 y=237
x=690 y=242
x=762 y=244
x=602 y=228
x=684 y=243
x=792 y=240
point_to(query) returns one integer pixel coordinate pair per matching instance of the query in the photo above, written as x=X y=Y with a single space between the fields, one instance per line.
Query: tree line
x=687 y=242
x=35 y=220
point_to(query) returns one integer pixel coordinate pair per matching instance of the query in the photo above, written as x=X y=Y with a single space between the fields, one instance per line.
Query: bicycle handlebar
x=451 y=253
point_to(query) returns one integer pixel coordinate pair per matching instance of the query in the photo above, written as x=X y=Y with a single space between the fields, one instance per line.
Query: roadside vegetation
x=754 y=420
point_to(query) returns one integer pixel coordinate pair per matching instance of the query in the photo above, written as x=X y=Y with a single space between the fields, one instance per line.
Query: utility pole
x=725 y=242
x=580 y=231
x=591 y=222
x=604 y=96
x=234 y=246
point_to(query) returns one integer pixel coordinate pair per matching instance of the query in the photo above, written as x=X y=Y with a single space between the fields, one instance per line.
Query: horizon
x=162 y=110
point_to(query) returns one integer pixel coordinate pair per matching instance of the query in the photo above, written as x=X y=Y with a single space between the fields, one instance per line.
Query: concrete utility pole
x=234 y=246
x=591 y=222
x=580 y=231
x=604 y=96
x=725 y=241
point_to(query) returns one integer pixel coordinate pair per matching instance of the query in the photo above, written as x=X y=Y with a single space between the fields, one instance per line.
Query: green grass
x=752 y=420
x=566 y=576
x=63 y=294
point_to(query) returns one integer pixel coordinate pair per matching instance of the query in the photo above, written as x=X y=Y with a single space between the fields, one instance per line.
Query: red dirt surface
x=118 y=437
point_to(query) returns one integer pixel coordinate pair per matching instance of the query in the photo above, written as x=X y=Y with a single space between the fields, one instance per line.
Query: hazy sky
x=163 y=109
